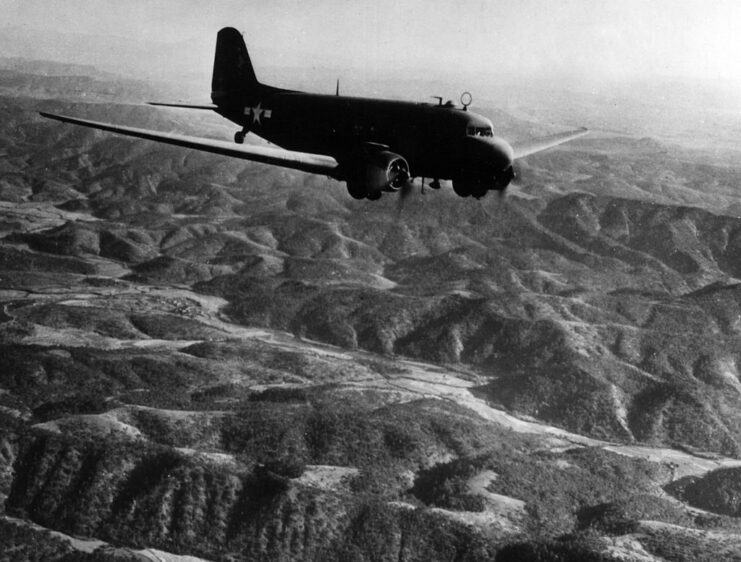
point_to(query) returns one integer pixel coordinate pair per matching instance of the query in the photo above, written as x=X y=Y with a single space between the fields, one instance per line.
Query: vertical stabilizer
x=233 y=78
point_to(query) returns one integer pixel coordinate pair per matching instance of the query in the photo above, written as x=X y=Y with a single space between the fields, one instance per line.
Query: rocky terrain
x=210 y=359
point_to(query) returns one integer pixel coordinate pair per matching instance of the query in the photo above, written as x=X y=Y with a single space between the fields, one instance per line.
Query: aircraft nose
x=492 y=153
x=502 y=153
x=489 y=161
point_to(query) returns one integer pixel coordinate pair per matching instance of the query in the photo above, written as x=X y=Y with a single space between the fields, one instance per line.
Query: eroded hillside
x=219 y=359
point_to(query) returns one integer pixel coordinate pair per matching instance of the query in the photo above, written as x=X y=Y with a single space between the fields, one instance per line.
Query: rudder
x=233 y=73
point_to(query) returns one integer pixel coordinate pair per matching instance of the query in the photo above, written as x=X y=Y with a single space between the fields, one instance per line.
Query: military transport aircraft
x=374 y=145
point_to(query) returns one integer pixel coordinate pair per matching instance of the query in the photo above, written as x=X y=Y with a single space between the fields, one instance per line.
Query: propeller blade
x=516 y=179
x=404 y=193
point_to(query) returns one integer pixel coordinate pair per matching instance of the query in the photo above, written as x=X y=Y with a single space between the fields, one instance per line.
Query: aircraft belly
x=322 y=126
x=433 y=161
x=425 y=160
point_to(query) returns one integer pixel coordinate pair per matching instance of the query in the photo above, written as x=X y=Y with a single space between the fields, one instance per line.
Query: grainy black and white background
x=202 y=358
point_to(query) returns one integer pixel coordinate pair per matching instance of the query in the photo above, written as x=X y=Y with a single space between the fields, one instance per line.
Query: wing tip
x=48 y=115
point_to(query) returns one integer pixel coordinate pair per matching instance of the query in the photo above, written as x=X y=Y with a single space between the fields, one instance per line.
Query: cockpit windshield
x=479 y=132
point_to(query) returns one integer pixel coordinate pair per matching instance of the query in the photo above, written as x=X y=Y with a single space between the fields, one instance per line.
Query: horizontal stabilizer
x=210 y=106
x=303 y=161
x=526 y=148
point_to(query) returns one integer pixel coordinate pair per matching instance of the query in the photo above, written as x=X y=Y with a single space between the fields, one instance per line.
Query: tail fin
x=233 y=75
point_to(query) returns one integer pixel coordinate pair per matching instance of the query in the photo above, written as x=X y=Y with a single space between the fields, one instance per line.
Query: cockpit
x=472 y=131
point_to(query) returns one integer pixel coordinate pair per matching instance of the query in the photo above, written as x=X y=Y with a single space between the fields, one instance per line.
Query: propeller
x=404 y=193
x=515 y=181
x=501 y=196
x=517 y=177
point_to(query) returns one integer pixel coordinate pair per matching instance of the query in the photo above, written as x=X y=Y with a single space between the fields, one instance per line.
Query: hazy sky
x=594 y=38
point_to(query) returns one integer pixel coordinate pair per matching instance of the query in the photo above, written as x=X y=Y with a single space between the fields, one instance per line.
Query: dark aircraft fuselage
x=378 y=144
x=373 y=145
x=438 y=141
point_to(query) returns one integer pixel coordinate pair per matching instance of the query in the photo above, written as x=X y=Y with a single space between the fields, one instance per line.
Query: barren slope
x=223 y=360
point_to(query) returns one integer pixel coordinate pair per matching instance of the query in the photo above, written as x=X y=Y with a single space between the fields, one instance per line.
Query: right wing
x=527 y=148
x=304 y=161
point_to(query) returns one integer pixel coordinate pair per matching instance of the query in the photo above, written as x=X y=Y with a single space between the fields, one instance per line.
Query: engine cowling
x=375 y=172
x=478 y=186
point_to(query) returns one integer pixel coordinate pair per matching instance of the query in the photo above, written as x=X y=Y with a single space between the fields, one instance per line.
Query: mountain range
x=209 y=358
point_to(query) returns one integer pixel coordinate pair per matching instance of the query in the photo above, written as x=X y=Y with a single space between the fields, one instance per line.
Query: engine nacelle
x=375 y=172
x=478 y=186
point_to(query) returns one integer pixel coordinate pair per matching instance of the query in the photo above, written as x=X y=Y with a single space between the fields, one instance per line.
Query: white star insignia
x=258 y=113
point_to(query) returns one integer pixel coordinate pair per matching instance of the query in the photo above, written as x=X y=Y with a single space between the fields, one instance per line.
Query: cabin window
x=479 y=132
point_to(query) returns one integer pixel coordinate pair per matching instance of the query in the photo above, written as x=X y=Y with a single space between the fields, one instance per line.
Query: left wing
x=304 y=161
x=184 y=105
x=531 y=147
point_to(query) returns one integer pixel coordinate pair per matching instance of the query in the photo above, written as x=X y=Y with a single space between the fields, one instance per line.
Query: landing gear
x=359 y=191
x=435 y=184
x=461 y=188
x=479 y=191
x=470 y=187
x=356 y=190
x=239 y=136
